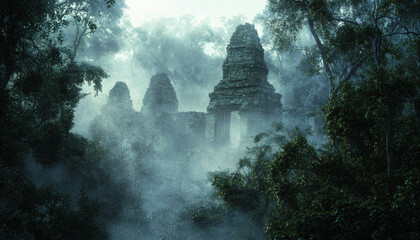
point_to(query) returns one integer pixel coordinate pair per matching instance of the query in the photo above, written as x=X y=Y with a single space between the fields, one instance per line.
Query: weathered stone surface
x=244 y=85
x=244 y=88
x=119 y=99
x=160 y=97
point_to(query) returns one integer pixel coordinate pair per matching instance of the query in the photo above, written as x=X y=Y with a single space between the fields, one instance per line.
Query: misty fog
x=190 y=50
x=192 y=119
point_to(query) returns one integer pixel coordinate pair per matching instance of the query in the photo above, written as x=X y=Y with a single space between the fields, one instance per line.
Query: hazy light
x=140 y=11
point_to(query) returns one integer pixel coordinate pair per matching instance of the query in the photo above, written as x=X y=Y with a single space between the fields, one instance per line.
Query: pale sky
x=140 y=11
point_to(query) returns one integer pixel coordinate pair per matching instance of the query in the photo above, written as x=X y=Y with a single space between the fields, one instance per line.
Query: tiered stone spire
x=244 y=88
x=119 y=99
x=160 y=97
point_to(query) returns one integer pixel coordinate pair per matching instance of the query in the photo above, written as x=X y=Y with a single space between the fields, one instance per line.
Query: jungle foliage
x=41 y=84
x=364 y=183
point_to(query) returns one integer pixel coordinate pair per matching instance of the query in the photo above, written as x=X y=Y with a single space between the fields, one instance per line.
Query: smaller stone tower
x=160 y=97
x=119 y=100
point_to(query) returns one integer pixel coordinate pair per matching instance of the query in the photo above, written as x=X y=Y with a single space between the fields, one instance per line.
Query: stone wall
x=192 y=125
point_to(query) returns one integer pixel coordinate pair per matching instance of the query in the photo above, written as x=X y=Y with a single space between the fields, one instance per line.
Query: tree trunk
x=389 y=146
x=322 y=53
x=417 y=108
x=6 y=75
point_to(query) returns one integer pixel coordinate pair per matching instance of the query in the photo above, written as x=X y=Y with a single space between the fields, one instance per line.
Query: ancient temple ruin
x=161 y=103
x=244 y=88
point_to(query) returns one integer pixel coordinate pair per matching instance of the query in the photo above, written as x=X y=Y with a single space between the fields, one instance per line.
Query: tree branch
x=322 y=52
x=351 y=72
x=57 y=5
x=345 y=20
x=79 y=37
x=6 y=75
x=401 y=33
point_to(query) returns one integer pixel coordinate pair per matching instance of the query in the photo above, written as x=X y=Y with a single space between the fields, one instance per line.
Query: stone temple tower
x=119 y=100
x=244 y=88
x=160 y=97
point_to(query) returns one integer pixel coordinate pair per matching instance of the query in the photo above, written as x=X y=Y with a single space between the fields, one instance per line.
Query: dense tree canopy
x=40 y=86
x=362 y=184
x=372 y=42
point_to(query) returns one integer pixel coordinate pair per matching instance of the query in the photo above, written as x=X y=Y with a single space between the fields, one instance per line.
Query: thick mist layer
x=166 y=158
x=169 y=176
x=194 y=119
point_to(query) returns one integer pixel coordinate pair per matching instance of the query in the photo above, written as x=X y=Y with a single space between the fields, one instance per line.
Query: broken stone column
x=222 y=128
x=210 y=123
